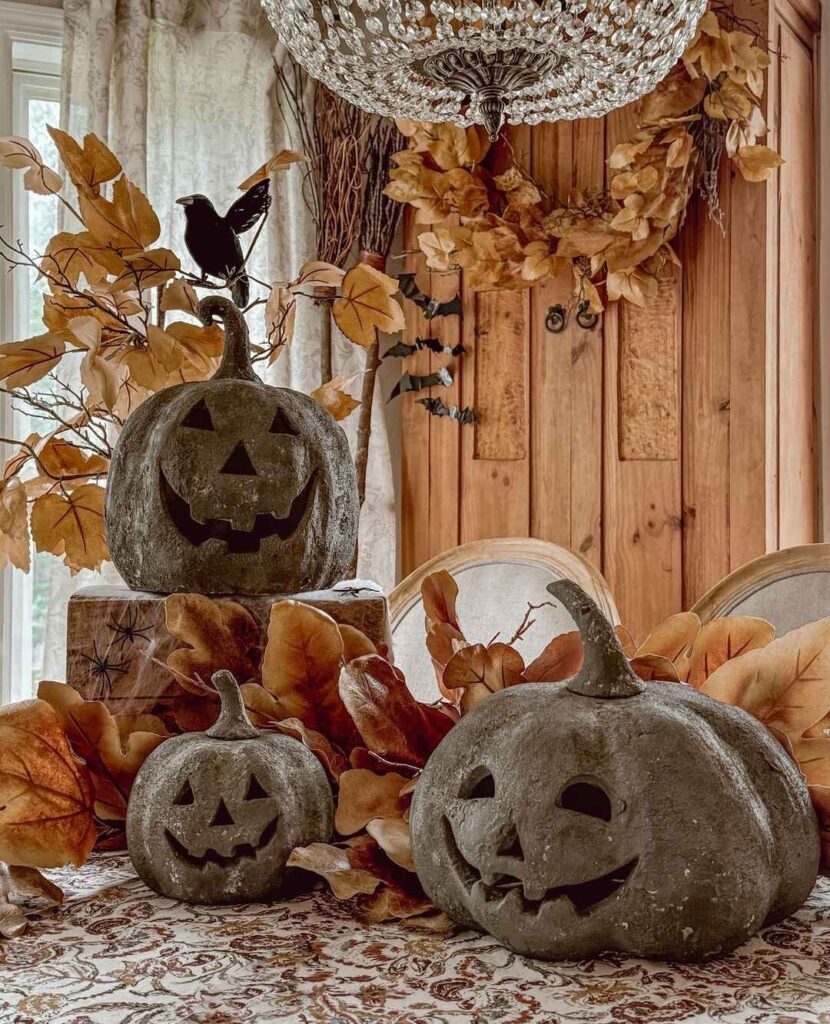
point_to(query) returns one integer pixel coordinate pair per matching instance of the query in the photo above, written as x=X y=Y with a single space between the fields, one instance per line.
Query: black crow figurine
x=213 y=240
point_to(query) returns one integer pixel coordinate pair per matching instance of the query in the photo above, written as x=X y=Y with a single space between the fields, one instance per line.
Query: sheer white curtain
x=183 y=91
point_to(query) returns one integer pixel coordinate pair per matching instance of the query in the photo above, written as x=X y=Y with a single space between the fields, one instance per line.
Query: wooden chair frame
x=757 y=574
x=521 y=550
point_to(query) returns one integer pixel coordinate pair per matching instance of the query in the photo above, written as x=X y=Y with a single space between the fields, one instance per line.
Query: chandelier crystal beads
x=523 y=61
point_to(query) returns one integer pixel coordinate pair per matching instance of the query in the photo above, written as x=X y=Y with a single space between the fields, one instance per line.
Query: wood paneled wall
x=668 y=446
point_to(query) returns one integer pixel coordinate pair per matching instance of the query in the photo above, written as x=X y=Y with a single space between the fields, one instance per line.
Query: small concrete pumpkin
x=605 y=813
x=214 y=816
x=230 y=485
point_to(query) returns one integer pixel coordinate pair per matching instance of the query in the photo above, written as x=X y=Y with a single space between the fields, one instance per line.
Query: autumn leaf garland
x=509 y=234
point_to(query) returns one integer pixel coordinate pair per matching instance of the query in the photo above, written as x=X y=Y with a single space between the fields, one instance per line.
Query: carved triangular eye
x=281 y=425
x=199 y=417
x=185 y=795
x=255 y=790
x=239 y=462
x=222 y=815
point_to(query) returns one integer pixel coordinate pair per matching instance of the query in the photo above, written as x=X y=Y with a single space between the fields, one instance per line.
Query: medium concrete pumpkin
x=230 y=485
x=214 y=816
x=605 y=813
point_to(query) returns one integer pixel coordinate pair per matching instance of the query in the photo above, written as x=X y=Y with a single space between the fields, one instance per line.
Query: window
x=30 y=56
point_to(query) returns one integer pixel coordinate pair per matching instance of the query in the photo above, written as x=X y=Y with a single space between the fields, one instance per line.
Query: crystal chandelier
x=521 y=61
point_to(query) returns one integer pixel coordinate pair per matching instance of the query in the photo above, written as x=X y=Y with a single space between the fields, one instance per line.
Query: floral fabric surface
x=118 y=954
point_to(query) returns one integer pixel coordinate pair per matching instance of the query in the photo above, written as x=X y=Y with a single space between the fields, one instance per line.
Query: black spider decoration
x=128 y=629
x=103 y=670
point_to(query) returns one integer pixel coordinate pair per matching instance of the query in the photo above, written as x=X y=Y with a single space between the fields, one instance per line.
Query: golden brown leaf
x=90 y=165
x=98 y=375
x=63 y=460
x=390 y=720
x=179 y=295
x=334 y=864
x=16 y=152
x=201 y=346
x=366 y=305
x=718 y=642
x=355 y=642
x=673 y=637
x=392 y=836
x=156 y=365
x=756 y=163
x=127 y=224
x=24 y=362
x=14 y=525
x=279 y=162
x=480 y=671
x=439 y=248
x=147 y=269
x=439 y=593
x=112 y=756
x=45 y=794
x=72 y=525
x=301 y=667
x=364 y=795
x=784 y=684
x=334 y=398
x=561 y=659
x=218 y=634
x=67 y=258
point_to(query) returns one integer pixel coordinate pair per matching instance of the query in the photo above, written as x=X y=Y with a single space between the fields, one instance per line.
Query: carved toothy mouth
x=244 y=851
x=494 y=889
x=266 y=524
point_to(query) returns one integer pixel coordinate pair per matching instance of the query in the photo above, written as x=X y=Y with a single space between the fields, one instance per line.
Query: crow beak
x=185 y=201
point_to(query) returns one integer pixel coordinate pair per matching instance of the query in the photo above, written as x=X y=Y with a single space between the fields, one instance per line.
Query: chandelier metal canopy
x=521 y=61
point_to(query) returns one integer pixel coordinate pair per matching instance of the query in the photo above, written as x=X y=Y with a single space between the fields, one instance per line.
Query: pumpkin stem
x=233 y=722
x=605 y=672
x=236 y=359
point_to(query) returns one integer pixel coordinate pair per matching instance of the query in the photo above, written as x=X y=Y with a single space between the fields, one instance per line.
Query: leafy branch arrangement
x=67 y=764
x=510 y=234
x=119 y=315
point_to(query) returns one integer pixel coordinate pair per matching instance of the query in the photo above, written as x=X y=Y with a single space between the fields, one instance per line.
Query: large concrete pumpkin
x=214 y=816
x=607 y=813
x=230 y=485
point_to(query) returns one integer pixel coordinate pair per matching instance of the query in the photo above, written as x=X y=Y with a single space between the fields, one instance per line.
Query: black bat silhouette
x=436 y=407
x=411 y=382
x=431 y=307
x=403 y=350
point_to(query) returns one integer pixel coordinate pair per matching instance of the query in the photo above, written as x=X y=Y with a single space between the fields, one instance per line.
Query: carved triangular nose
x=222 y=815
x=239 y=462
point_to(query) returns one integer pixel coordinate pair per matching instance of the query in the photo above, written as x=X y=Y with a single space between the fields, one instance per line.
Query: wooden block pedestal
x=117 y=643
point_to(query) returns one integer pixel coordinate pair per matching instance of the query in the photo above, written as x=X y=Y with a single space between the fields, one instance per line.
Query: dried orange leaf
x=756 y=163
x=673 y=637
x=179 y=295
x=561 y=659
x=147 y=269
x=62 y=459
x=652 y=667
x=335 y=399
x=786 y=684
x=392 y=836
x=282 y=160
x=366 y=305
x=390 y=720
x=46 y=796
x=90 y=165
x=24 y=362
x=333 y=863
x=15 y=545
x=128 y=224
x=218 y=634
x=72 y=525
x=355 y=642
x=718 y=642
x=301 y=667
x=480 y=671
x=439 y=593
x=112 y=755
x=16 y=152
x=365 y=795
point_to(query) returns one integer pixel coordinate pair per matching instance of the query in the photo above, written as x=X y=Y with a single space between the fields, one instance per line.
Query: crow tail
x=241 y=291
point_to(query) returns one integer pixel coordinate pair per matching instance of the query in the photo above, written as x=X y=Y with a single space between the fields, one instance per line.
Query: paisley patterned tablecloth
x=118 y=954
